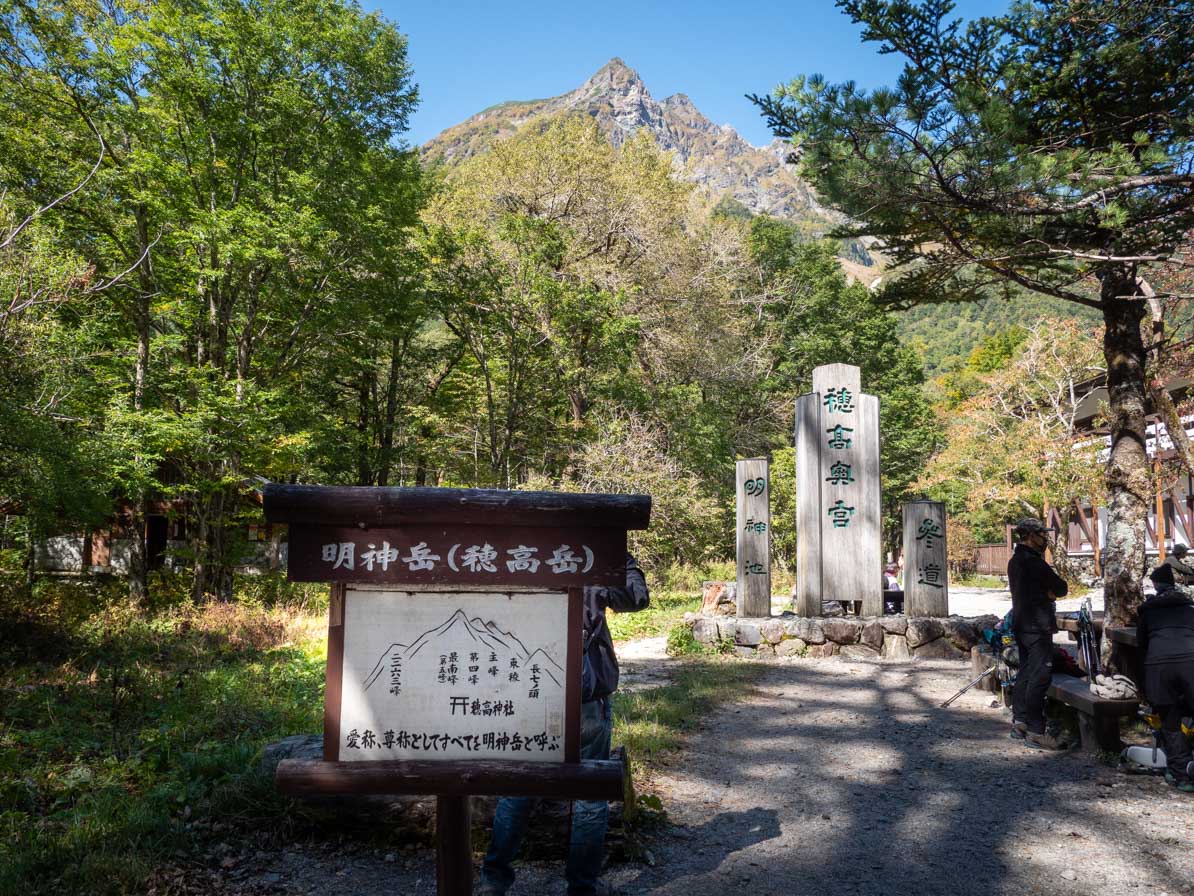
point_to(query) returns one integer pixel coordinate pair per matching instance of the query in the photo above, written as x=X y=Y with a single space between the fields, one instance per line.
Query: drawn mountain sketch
x=462 y=635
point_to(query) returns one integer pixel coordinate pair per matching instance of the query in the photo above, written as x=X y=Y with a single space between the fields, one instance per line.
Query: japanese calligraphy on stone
x=453 y=675
x=926 y=583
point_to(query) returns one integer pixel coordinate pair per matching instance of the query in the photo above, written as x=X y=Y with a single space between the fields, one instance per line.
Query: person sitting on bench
x=1183 y=573
x=1165 y=640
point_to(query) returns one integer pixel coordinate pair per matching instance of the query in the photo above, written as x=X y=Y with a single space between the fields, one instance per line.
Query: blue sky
x=470 y=55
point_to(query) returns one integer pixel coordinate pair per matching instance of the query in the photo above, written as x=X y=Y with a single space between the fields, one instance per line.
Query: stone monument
x=838 y=548
x=926 y=579
x=754 y=537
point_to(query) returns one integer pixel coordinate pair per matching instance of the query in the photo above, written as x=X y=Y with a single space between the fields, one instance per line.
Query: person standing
x=1183 y=573
x=1035 y=587
x=599 y=680
x=1165 y=641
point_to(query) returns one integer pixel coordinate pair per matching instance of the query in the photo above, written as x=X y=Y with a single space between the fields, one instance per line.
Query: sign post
x=926 y=566
x=838 y=547
x=454 y=643
x=754 y=537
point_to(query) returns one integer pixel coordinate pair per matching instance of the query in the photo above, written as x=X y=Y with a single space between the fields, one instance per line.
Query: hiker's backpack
x=598 y=667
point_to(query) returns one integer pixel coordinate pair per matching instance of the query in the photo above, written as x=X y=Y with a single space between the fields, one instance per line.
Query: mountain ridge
x=723 y=164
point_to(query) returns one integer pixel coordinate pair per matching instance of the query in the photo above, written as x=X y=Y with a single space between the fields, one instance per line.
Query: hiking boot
x=1183 y=785
x=1044 y=741
x=1019 y=729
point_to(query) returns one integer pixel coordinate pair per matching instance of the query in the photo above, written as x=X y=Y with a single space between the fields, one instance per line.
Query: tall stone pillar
x=838 y=547
x=754 y=537
x=926 y=567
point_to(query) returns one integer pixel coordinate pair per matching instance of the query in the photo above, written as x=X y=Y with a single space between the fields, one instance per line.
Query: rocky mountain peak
x=715 y=157
x=614 y=75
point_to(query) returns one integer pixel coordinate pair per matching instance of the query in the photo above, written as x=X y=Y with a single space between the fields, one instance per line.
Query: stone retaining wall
x=896 y=637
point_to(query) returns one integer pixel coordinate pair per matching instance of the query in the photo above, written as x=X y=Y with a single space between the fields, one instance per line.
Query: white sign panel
x=453 y=675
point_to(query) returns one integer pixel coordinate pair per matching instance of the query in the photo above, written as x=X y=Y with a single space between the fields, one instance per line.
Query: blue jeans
x=589 y=818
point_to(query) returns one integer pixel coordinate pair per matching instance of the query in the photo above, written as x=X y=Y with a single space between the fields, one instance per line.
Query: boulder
x=747 y=653
x=961 y=633
x=894 y=625
x=773 y=631
x=841 y=631
x=872 y=634
x=790 y=647
x=705 y=631
x=727 y=629
x=858 y=652
x=922 y=630
x=823 y=650
x=298 y=746
x=714 y=593
x=811 y=630
x=985 y=621
x=747 y=634
x=832 y=608
x=765 y=651
x=896 y=647
x=939 y=649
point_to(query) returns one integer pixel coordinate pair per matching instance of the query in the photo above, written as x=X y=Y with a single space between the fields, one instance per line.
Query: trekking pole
x=968 y=687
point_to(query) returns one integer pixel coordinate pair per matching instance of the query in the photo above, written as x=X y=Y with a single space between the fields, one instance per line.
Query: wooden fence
x=991 y=559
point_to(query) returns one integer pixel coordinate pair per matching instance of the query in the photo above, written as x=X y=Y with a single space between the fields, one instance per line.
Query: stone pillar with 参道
x=838 y=547
x=754 y=537
x=926 y=579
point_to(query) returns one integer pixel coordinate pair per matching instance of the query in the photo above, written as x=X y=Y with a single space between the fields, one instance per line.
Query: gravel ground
x=846 y=778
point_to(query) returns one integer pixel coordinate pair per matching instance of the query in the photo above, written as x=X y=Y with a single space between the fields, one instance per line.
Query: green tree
x=253 y=186
x=1014 y=447
x=814 y=316
x=1049 y=148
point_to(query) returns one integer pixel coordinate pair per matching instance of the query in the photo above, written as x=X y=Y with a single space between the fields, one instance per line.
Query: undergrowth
x=122 y=729
x=667 y=608
x=129 y=734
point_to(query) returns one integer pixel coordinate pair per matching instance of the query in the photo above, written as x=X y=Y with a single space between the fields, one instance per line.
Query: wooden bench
x=1098 y=718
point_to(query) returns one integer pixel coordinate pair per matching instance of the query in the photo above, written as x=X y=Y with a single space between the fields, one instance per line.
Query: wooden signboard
x=453 y=676
x=754 y=537
x=454 y=643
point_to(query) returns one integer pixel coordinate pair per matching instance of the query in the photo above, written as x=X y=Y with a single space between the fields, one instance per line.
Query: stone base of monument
x=892 y=637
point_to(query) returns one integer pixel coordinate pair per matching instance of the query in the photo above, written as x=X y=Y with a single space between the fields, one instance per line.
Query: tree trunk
x=385 y=462
x=364 y=470
x=200 y=541
x=1129 y=485
x=1061 y=547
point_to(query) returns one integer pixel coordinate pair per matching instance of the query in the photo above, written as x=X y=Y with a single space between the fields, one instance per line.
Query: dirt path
x=840 y=777
x=837 y=777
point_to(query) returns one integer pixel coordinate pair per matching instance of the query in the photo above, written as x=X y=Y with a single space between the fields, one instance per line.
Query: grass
x=979 y=580
x=666 y=610
x=653 y=722
x=129 y=735
x=123 y=732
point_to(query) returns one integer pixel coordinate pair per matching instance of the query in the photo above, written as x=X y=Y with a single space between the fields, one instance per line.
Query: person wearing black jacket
x=599 y=679
x=1183 y=573
x=1035 y=588
x=1165 y=642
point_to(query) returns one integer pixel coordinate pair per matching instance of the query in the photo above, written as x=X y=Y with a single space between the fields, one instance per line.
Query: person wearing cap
x=1165 y=643
x=1035 y=587
x=1183 y=573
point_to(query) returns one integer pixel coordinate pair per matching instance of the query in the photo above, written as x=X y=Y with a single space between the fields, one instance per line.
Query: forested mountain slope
x=946 y=334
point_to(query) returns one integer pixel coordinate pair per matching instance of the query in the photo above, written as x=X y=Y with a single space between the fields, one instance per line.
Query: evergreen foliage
x=1051 y=149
